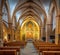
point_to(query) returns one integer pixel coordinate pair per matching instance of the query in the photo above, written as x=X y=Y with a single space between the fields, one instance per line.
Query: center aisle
x=29 y=49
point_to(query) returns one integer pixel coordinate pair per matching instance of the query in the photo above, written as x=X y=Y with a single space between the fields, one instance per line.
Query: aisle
x=29 y=49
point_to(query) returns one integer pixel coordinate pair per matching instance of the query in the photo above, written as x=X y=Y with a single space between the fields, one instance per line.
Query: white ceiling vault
x=21 y=9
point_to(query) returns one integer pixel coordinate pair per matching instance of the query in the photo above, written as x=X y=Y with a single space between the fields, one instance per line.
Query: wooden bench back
x=16 y=43
x=10 y=48
x=8 y=52
x=43 y=46
x=51 y=53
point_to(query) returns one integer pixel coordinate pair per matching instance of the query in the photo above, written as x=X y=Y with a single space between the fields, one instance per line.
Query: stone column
x=44 y=28
x=57 y=32
x=48 y=32
x=11 y=28
x=42 y=32
x=14 y=27
x=48 y=26
x=10 y=31
x=1 y=28
x=13 y=33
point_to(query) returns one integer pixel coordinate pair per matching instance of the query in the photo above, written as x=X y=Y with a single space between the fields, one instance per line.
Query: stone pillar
x=39 y=32
x=10 y=31
x=48 y=32
x=44 y=28
x=11 y=28
x=48 y=26
x=42 y=32
x=14 y=27
x=1 y=28
x=57 y=32
x=13 y=33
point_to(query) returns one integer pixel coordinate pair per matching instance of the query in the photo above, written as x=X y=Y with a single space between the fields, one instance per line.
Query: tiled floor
x=29 y=50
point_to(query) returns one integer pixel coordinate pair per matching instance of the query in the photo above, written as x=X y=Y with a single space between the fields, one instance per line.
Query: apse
x=30 y=30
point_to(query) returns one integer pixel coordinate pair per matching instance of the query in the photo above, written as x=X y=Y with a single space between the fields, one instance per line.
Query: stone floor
x=29 y=49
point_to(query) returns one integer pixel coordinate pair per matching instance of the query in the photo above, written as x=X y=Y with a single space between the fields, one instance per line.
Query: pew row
x=43 y=46
x=11 y=48
x=8 y=52
x=51 y=53
x=15 y=43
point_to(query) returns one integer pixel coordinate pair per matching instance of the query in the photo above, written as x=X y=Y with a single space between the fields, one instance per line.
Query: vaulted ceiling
x=20 y=9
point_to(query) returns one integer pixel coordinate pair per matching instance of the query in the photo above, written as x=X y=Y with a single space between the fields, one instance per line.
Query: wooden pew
x=8 y=52
x=48 y=49
x=11 y=48
x=43 y=46
x=51 y=53
x=15 y=43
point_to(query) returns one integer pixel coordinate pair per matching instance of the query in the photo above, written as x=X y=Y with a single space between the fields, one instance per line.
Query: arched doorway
x=30 y=30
